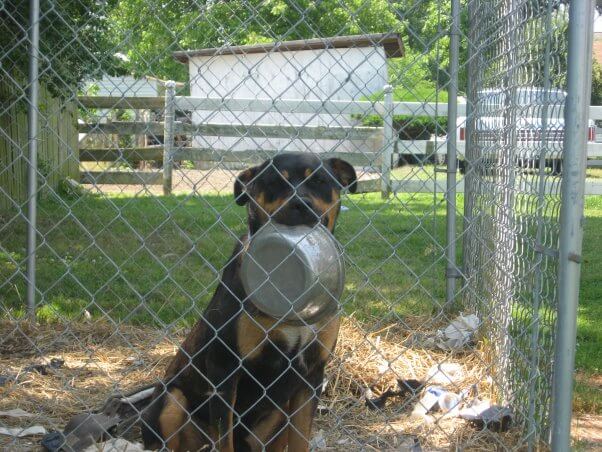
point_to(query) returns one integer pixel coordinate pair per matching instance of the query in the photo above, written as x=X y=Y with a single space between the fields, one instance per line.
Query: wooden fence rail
x=378 y=146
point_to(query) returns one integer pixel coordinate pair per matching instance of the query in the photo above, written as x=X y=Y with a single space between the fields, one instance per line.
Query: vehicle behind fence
x=119 y=209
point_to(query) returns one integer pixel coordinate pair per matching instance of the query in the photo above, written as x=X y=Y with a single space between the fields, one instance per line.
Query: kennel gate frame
x=571 y=216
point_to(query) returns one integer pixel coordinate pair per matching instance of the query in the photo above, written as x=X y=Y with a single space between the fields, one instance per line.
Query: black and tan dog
x=243 y=381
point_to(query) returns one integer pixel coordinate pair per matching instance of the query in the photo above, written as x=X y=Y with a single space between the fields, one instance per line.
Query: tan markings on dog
x=301 y=410
x=329 y=209
x=191 y=439
x=172 y=418
x=285 y=174
x=327 y=338
x=252 y=334
x=280 y=443
x=267 y=430
x=308 y=172
x=269 y=207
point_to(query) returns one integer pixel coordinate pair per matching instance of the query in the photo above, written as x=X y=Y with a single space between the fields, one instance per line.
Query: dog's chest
x=294 y=336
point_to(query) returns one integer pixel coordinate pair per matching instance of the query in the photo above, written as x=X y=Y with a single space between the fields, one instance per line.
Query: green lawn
x=155 y=260
x=589 y=323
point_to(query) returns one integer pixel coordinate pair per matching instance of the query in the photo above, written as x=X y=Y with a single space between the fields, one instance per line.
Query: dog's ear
x=343 y=172
x=240 y=185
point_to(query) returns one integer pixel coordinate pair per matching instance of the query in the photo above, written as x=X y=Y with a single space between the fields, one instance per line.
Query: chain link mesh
x=137 y=219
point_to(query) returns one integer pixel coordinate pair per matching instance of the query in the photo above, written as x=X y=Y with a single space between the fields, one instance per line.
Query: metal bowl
x=295 y=273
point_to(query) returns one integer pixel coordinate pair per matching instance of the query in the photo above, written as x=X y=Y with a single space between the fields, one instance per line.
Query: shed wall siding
x=333 y=74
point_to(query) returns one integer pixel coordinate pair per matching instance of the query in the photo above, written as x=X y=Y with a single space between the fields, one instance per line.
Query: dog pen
x=461 y=284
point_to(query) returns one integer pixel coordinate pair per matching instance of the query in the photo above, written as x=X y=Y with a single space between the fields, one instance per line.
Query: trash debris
x=21 y=432
x=427 y=402
x=403 y=387
x=483 y=415
x=322 y=410
x=55 y=363
x=436 y=398
x=318 y=442
x=17 y=412
x=457 y=335
x=53 y=441
x=408 y=444
x=86 y=429
x=445 y=373
x=42 y=369
x=116 y=444
x=117 y=415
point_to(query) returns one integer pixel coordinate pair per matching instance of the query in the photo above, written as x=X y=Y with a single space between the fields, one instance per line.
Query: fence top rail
x=283 y=105
x=123 y=102
x=350 y=107
x=278 y=105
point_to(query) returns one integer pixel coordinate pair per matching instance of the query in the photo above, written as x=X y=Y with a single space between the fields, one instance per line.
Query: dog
x=241 y=380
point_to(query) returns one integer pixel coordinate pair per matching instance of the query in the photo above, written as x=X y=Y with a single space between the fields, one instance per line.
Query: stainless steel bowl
x=294 y=273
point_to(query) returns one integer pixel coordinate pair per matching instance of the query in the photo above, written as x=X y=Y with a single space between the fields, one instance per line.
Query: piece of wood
x=332 y=107
x=278 y=131
x=122 y=177
x=258 y=156
x=125 y=154
x=168 y=136
x=123 y=128
x=122 y=102
x=388 y=142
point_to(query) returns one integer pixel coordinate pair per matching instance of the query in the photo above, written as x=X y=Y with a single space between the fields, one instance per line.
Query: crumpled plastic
x=457 y=335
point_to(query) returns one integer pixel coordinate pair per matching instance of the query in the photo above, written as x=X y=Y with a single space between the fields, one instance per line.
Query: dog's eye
x=317 y=179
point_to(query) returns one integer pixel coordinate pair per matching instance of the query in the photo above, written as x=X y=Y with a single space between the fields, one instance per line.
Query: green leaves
x=73 y=42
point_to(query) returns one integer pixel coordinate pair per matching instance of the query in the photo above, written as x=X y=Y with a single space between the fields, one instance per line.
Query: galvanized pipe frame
x=452 y=272
x=32 y=136
x=169 y=154
x=579 y=61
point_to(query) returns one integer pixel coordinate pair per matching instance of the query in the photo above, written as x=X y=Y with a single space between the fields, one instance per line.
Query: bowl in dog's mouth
x=294 y=273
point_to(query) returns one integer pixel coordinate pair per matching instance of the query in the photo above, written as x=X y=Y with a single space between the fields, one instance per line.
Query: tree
x=148 y=31
x=73 y=42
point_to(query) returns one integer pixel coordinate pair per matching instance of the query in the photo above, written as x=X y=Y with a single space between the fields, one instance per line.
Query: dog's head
x=294 y=189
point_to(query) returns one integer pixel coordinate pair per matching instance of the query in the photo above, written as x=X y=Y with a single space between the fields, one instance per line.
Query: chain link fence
x=431 y=133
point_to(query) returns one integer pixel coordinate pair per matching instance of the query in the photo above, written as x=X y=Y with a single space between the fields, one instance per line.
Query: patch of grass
x=593 y=173
x=154 y=260
x=588 y=360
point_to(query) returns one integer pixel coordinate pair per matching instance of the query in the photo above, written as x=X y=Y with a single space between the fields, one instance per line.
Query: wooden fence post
x=388 y=142
x=168 y=135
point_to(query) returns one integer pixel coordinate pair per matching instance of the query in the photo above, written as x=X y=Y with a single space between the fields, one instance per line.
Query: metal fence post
x=571 y=216
x=32 y=175
x=168 y=135
x=452 y=162
x=388 y=141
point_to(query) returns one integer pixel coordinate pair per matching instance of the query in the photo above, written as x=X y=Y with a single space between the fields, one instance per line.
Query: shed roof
x=391 y=42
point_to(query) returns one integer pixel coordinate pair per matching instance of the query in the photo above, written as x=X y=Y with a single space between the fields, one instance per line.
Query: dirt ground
x=587 y=432
x=218 y=181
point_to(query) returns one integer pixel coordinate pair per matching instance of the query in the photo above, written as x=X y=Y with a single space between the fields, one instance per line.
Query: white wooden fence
x=379 y=145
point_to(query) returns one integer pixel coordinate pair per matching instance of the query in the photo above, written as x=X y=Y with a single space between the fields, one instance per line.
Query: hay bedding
x=101 y=359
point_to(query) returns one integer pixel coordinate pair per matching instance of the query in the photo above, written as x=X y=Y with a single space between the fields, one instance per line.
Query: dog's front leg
x=224 y=380
x=302 y=407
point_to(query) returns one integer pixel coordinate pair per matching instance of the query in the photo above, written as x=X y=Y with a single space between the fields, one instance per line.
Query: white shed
x=340 y=68
x=126 y=85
